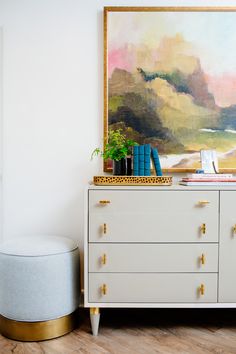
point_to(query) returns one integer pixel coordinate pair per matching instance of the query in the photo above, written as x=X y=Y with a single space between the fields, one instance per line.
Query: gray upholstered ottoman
x=39 y=287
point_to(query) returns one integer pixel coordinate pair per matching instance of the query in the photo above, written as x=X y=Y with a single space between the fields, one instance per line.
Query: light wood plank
x=152 y=331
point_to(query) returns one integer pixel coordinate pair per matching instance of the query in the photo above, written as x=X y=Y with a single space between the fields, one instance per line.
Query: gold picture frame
x=209 y=114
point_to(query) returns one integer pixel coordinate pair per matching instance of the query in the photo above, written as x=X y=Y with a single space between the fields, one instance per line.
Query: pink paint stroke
x=121 y=58
x=223 y=88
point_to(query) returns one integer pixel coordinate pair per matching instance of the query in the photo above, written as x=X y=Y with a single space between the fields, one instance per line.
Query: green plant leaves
x=117 y=147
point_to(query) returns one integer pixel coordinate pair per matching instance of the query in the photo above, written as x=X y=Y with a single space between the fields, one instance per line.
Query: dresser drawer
x=109 y=201
x=153 y=258
x=153 y=216
x=152 y=288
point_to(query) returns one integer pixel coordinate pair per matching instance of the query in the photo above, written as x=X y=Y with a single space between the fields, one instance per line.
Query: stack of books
x=142 y=155
x=208 y=179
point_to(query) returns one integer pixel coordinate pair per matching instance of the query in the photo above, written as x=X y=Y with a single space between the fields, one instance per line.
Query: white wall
x=52 y=109
x=1 y=137
x=51 y=120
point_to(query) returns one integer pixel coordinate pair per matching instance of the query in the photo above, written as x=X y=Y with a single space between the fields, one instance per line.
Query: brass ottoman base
x=37 y=331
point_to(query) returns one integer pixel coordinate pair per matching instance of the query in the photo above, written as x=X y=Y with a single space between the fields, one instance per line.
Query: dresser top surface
x=174 y=187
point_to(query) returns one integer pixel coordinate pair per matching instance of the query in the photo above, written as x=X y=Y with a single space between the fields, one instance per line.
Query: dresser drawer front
x=152 y=288
x=105 y=201
x=227 y=269
x=153 y=216
x=153 y=258
x=152 y=227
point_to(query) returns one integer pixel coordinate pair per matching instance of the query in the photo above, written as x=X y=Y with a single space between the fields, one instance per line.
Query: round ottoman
x=39 y=287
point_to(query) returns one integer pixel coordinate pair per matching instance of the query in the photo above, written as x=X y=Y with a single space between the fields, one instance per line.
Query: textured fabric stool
x=39 y=287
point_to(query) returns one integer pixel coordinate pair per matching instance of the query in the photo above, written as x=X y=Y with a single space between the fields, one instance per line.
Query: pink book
x=209 y=180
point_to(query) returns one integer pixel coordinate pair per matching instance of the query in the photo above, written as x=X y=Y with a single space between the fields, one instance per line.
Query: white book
x=210 y=175
x=205 y=183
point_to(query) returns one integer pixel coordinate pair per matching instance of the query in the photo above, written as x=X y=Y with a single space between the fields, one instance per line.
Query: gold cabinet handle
x=203 y=202
x=202 y=289
x=203 y=228
x=104 y=289
x=104 y=202
x=104 y=228
x=234 y=229
x=203 y=259
x=104 y=259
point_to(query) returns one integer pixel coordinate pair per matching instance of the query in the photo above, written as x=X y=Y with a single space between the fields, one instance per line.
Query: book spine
x=147 y=160
x=208 y=183
x=141 y=160
x=211 y=175
x=156 y=161
x=209 y=180
x=136 y=160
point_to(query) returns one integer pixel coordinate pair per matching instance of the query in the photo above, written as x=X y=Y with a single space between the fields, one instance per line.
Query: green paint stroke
x=115 y=102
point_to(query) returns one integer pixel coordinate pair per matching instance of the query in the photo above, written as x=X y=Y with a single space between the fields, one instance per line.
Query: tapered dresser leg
x=94 y=319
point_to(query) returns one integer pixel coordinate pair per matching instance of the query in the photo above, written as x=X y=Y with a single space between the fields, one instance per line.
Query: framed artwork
x=170 y=80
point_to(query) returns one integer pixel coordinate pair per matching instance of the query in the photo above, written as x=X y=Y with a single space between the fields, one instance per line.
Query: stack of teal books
x=142 y=155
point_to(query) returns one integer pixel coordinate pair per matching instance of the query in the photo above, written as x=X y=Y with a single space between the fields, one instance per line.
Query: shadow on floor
x=119 y=317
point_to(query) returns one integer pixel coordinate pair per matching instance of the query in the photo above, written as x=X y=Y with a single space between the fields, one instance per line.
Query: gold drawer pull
x=203 y=202
x=104 y=289
x=203 y=259
x=104 y=202
x=234 y=229
x=104 y=259
x=203 y=228
x=202 y=289
x=104 y=228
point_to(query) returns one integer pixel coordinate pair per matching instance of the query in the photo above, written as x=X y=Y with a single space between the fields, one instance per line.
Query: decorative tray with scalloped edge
x=132 y=180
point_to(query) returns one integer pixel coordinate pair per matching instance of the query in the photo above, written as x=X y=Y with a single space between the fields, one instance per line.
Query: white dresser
x=159 y=247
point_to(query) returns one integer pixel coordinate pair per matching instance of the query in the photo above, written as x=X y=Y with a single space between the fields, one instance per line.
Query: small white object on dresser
x=159 y=247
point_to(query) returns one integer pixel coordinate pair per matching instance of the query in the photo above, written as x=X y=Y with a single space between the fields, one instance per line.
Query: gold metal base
x=37 y=331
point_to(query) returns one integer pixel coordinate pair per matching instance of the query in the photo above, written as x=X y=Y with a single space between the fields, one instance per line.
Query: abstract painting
x=170 y=80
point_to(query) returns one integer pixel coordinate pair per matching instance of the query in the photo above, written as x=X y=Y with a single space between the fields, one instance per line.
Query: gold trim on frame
x=107 y=9
x=37 y=331
x=169 y=8
x=105 y=89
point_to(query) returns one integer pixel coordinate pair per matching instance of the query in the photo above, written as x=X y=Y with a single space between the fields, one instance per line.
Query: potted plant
x=118 y=149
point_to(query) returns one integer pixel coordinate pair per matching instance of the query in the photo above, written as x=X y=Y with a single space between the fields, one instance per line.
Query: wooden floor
x=149 y=331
